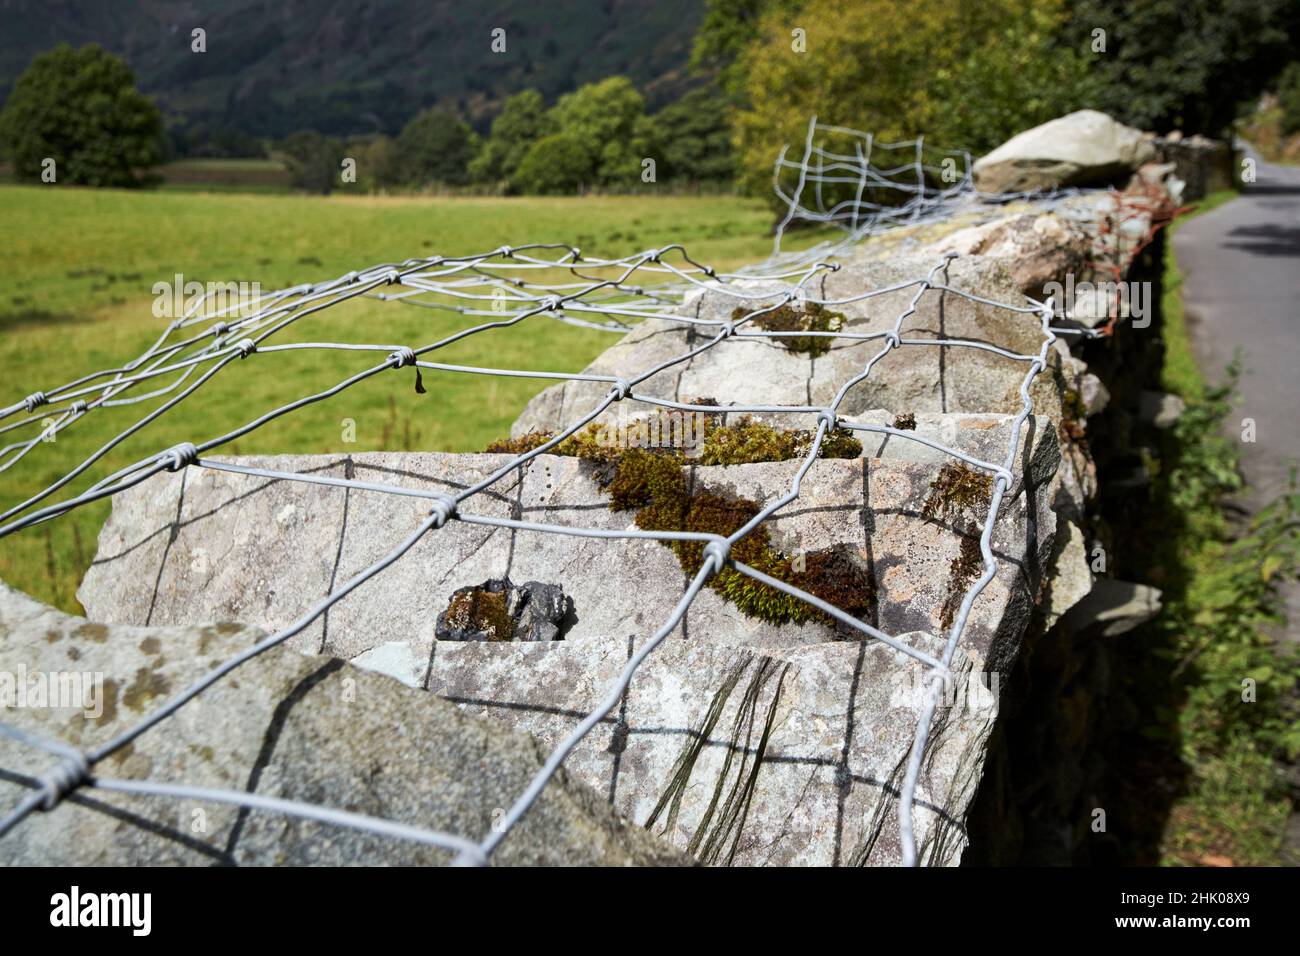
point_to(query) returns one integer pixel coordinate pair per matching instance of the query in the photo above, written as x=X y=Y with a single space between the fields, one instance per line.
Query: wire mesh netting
x=502 y=289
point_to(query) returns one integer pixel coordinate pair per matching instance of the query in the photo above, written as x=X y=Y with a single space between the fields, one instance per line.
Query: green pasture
x=79 y=269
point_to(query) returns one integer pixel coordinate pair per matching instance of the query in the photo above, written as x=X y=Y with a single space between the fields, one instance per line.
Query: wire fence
x=502 y=289
x=847 y=179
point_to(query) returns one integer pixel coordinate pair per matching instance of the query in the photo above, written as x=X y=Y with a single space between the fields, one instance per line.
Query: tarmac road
x=1241 y=264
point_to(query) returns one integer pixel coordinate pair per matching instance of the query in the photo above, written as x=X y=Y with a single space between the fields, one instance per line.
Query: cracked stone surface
x=309 y=729
x=799 y=807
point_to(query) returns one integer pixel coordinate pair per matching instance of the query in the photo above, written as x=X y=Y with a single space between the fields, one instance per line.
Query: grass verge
x=1234 y=684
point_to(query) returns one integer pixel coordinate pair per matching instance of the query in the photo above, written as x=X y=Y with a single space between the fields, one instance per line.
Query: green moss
x=787 y=318
x=481 y=610
x=839 y=443
x=957 y=487
x=745 y=442
x=652 y=482
x=1072 y=406
x=518 y=446
x=963 y=571
x=749 y=441
x=905 y=422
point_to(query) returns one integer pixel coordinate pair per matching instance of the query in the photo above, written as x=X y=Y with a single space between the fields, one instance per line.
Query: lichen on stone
x=905 y=422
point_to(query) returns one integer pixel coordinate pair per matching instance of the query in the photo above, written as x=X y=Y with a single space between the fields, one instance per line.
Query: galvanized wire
x=600 y=287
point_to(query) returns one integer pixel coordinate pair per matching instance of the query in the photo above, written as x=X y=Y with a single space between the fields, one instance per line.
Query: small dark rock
x=498 y=610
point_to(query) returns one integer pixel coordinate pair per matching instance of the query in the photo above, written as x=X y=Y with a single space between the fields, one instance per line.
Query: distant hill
x=356 y=66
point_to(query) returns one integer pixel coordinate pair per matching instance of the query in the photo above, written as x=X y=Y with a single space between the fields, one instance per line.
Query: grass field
x=80 y=265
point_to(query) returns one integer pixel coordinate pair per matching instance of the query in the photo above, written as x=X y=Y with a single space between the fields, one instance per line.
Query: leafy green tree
x=81 y=109
x=1185 y=64
x=606 y=118
x=523 y=120
x=560 y=163
x=1016 y=77
x=691 y=138
x=379 y=163
x=727 y=32
x=961 y=74
x=314 y=161
x=436 y=147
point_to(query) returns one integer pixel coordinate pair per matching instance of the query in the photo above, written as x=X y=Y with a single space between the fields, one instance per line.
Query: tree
x=692 y=138
x=1186 y=64
x=81 y=109
x=436 y=147
x=379 y=164
x=560 y=163
x=1016 y=77
x=727 y=32
x=523 y=120
x=314 y=161
x=957 y=73
x=606 y=118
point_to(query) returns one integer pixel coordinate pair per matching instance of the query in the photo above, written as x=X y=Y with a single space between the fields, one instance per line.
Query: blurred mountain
x=357 y=66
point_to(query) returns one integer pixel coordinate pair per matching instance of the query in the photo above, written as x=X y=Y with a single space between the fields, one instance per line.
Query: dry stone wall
x=741 y=740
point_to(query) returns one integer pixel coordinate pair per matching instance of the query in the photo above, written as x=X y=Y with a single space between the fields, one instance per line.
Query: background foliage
x=81 y=109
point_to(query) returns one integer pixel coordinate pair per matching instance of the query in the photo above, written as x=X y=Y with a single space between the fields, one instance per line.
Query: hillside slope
x=354 y=66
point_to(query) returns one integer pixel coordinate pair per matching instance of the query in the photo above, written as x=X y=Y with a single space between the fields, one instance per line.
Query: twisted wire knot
x=180 y=456
x=402 y=357
x=34 y=401
x=828 y=416
x=443 y=509
x=728 y=328
x=63 y=778
x=246 y=347
x=552 y=302
x=715 y=553
x=220 y=329
x=621 y=389
x=79 y=407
